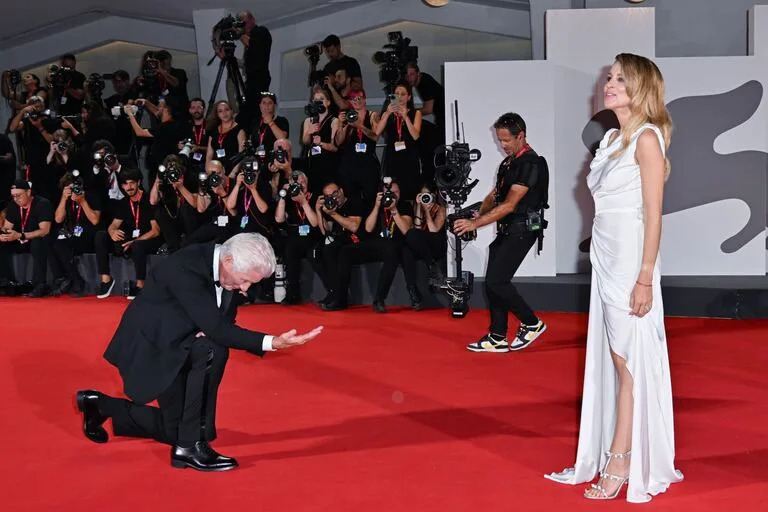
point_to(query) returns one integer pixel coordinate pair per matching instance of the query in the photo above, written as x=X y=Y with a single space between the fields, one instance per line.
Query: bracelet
x=643 y=284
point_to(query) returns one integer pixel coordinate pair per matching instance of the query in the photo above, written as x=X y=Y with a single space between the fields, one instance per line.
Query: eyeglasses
x=18 y=196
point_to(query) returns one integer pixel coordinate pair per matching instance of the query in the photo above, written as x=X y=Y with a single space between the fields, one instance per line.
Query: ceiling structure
x=17 y=26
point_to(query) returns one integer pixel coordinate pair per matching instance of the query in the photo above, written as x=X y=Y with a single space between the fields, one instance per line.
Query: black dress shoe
x=88 y=404
x=333 y=305
x=415 y=295
x=201 y=457
x=291 y=300
x=379 y=307
x=328 y=298
x=40 y=290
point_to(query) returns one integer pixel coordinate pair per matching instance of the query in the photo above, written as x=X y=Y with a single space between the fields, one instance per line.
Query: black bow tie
x=217 y=283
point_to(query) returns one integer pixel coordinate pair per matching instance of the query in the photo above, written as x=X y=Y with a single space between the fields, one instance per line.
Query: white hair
x=284 y=144
x=250 y=252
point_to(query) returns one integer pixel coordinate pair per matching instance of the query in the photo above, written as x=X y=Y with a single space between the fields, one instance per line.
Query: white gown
x=616 y=255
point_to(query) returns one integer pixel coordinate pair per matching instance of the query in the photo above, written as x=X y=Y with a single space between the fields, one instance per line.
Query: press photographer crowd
x=148 y=170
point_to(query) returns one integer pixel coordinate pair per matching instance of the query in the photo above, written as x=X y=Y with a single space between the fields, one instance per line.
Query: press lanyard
x=199 y=134
x=136 y=210
x=79 y=209
x=389 y=221
x=399 y=126
x=527 y=147
x=25 y=218
x=247 y=200
x=262 y=133
x=300 y=210
x=360 y=130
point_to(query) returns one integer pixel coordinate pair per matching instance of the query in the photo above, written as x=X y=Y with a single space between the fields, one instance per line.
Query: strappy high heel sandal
x=604 y=475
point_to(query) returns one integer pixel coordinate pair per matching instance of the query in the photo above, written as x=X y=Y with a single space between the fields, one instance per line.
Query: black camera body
x=279 y=155
x=62 y=146
x=294 y=189
x=393 y=60
x=108 y=160
x=78 y=187
x=39 y=114
x=425 y=198
x=250 y=169
x=314 y=109
x=60 y=76
x=170 y=173
x=352 y=115
x=96 y=85
x=331 y=203
x=208 y=182
x=388 y=198
x=228 y=30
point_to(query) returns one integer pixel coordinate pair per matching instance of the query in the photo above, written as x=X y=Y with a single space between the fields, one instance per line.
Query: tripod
x=229 y=61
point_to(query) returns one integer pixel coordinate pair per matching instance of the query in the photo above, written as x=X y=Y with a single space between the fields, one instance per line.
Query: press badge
x=316 y=150
x=221 y=153
x=304 y=230
x=197 y=156
x=77 y=231
x=165 y=92
x=136 y=233
x=360 y=147
x=385 y=233
x=399 y=145
x=243 y=222
x=63 y=100
x=222 y=221
x=261 y=151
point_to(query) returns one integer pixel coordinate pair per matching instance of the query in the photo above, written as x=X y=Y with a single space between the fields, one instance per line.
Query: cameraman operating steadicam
x=516 y=205
x=79 y=215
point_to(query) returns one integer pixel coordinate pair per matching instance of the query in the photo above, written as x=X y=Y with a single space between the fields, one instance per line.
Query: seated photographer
x=337 y=60
x=67 y=85
x=269 y=127
x=318 y=135
x=359 y=167
x=133 y=232
x=78 y=216
x=104 y=179
x=26 y=228
x=426 y=241
x=385 y=229
x=296 y=213
x=225 y=137
x=59 y=161
x=339 y=221
x=175 y=206
x=401 y=125
x=216 y=221
x=165 y=137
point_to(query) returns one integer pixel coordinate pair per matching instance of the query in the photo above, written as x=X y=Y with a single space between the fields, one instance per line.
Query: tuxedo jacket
x=158 y=328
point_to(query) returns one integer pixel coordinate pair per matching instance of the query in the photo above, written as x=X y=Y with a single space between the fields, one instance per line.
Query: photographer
x=269 y=127
x=124 y=95
x=7 y=169
x=251 y=200
x=30 y=86
x=165 y=138
x=296 y=213
x=432 y=95
x=258 y=45
x=104 y=180
x=37 y=127
x=67 y=85
x=338 y=85
x=133 y=231
x=359 y=167
x=173 y=81
x=318 y=135
x=58 y=162
x=516 y=205
x=337 y=60
x=175 y=206
x=217 y=222
x=79 y=215
x=26 y=228
x=225 y=137
x=426 y=241
x=339 y=221
x=385 y=227
x=94 y=124
x=401 y=125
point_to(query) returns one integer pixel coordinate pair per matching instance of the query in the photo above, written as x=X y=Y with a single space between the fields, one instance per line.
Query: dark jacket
x=157 y=329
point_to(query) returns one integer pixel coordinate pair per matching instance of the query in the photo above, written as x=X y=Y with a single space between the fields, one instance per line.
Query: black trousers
x=174 y=226
x=40 y=249
x=139 y=251
x=386 y=250
x=296 y=249
x=506 y=253
x=187 y=409
x=63 y=262
x=422 y=245
x=209 y=232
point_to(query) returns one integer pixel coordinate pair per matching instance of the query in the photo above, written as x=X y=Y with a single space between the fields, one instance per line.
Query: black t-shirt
x=35 y=146
x=123 y=134
x=262 y=134
x=226 y=141
x=69 y=105
x=75 y=216
x=256 y=56
x=180 y=91
x=128 y=211
x=296 y=222
x=430 y=89
x=529 y=170
x=28 y=219
x=352 y=207
x=7 y=169
x=345 y=62
x=385 y=224
x=165 y=140
x=246 y=206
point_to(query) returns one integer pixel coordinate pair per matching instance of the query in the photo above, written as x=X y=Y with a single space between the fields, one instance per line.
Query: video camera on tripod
x=226 y=32
x=316 y=77
x=392 y=62
x=224 y=36
x=453 y=182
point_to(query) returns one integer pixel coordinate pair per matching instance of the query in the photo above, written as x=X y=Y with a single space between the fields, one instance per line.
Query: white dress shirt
x=266 y=344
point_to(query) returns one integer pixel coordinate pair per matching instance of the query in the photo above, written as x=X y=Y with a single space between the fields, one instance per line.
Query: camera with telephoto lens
x=60 y=76
x=250 y=169
x=388 y=198
x=77 y=183
x=352 y=115
x=425 y=198
x=39 y=114
x=314 y=110
x=169 y=173
x=392 y=62
x=279 y=155
x=187 y=146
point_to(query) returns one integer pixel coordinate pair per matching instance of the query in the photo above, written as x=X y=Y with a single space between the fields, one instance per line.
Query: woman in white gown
x=626 y=416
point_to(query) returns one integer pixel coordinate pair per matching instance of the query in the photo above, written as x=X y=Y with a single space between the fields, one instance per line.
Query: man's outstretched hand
x=292 y=339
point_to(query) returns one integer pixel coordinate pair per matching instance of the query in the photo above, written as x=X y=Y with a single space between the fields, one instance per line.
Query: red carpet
x=381 y=413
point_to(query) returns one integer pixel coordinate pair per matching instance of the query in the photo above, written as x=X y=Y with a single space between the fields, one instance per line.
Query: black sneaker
x=105 y=289
x=40 y=290
x=527 y=334
x=133 y=292
x=415 y=295
x=379 y=307
x=489 y=343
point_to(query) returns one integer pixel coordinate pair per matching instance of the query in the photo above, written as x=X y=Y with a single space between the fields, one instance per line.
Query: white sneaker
x=527 y=334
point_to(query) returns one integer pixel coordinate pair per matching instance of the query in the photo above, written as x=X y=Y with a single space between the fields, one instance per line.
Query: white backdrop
x=486 y=90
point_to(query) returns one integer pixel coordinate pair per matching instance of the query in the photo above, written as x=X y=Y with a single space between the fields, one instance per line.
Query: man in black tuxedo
x=172 y=345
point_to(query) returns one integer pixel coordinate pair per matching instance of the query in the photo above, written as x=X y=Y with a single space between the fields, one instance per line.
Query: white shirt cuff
x=266 y=344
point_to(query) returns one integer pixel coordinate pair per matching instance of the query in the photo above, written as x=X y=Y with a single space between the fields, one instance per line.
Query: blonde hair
x=645 y=88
